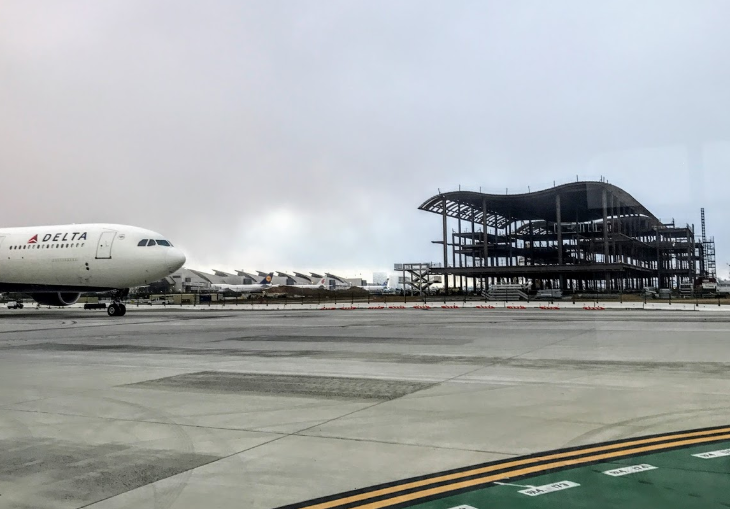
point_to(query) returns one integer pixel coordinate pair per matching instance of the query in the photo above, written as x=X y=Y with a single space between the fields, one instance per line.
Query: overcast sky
x=304 y=134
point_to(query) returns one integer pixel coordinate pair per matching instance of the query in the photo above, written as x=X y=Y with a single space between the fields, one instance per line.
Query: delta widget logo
x=59 y=237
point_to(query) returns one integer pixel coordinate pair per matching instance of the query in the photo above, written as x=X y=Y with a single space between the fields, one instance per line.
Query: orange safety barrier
x=396 y=307
x=450 y=307
x=485 y=307
x=421 y=307
x=516 y=307
x=594 y=308
x=348 y=308
x=376 y=307
x=550 y=307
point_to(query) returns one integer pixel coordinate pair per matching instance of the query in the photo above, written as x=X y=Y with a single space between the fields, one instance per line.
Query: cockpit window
x=142 y=242
x=163 y=243
x=151 y=242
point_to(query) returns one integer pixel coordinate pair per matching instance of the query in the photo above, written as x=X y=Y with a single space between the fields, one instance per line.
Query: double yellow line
x=433 y=486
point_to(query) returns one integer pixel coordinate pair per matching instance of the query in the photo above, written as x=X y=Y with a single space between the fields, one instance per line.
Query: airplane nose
x=175 y=259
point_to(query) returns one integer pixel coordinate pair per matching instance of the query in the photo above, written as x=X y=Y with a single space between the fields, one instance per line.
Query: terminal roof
x=303 y=276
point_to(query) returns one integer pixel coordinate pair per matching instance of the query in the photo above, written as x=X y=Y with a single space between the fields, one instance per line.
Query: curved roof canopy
x=579 y=202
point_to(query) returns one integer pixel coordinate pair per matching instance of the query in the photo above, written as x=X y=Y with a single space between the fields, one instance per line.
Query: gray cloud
x=305 y=134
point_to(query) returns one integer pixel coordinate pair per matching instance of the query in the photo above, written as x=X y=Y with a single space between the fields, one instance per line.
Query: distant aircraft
x=376 y=288
x=55 y=264
x=322 y=285
x=261 y=286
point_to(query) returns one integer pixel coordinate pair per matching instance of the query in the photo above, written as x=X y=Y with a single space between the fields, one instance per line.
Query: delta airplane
x=55 y=264
x=259 y=287
x=322 y=285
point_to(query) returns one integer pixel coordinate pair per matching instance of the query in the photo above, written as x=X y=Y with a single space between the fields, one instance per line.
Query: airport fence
x=343 y=300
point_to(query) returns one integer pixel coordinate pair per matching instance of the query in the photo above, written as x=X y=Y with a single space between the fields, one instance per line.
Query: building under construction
x=580 y=237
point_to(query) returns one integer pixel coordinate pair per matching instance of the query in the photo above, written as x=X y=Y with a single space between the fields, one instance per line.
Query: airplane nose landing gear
x=117 y=308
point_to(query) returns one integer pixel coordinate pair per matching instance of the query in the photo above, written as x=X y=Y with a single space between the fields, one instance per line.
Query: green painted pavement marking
x=677 y=479
x=418 y=491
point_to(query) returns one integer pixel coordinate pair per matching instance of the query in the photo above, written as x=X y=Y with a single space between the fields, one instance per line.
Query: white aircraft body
x=321 y=285
x=55 y=264
x=376 y=288
x=259 y=287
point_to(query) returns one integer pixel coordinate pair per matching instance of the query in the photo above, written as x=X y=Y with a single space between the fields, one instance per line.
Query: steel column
x=484 y=229
x=461 y=254
x=446 y=247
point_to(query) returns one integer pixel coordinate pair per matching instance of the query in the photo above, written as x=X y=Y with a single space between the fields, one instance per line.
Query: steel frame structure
x=420 y=278
x=582 y=236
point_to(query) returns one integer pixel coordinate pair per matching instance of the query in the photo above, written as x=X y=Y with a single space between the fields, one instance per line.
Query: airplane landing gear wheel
x=117 y=308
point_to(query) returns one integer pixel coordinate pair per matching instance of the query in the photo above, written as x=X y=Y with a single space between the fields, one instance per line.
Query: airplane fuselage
x=83 y=258
x=375 y=288
x=252 y=288
x=320 y=286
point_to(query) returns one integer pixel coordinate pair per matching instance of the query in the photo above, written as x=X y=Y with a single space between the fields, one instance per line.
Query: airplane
x=376 y=288
x=259 y=287
x=55 y=264
x=321 y=285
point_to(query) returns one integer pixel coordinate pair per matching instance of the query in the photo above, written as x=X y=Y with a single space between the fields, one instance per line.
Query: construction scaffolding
x=416 y=277
x=583 y=236
x=708 y=267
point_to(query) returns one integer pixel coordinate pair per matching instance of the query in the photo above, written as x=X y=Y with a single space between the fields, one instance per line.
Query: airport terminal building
x=578 y=237
x=186 y=280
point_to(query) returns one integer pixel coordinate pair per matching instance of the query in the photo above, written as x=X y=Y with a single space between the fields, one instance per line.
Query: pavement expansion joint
x=406 y=444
